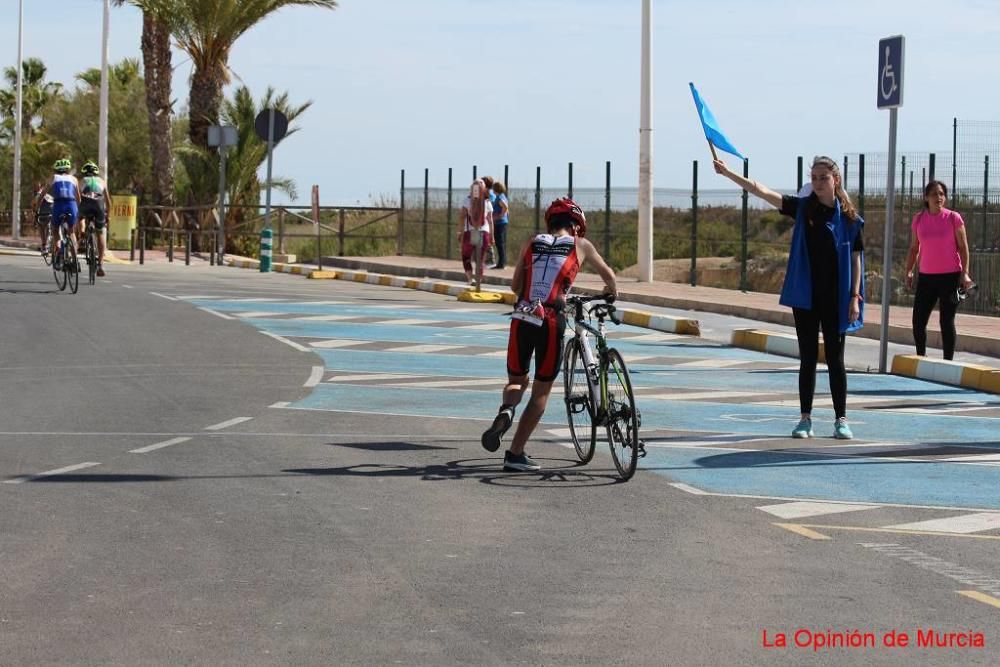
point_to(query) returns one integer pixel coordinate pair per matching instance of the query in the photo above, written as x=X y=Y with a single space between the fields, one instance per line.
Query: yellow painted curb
x=323 y=275
x=636 y=318
x=473 y=296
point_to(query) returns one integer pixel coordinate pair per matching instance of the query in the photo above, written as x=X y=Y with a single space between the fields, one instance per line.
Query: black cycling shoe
x=494 y=434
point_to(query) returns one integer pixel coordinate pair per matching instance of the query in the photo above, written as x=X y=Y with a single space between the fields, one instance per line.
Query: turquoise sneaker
x=841 y=431
x=804 y=429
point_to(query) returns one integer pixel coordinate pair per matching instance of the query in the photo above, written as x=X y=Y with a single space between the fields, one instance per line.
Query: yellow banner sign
x=122 y=220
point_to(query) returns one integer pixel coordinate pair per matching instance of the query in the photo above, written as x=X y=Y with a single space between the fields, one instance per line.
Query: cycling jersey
x=551 y=266
x=63 y=187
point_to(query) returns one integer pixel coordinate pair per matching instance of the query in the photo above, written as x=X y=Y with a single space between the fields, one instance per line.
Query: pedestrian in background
x=501 y=216
x=477 y=230
x=823 y=282
x=491 y=255
x=942 y=249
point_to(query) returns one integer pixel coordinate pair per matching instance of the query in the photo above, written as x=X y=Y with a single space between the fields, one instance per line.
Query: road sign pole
x=270 y=152
x=890 y=204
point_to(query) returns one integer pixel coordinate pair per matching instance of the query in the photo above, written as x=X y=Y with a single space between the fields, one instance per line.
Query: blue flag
x=712 y=130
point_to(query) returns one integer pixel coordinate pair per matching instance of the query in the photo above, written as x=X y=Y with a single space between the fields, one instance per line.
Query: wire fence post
x=986 y=198
x=694 y=223
x=570 y=192
x=954 y=159
x=607 y=210
x=475 y=169
x=845 y=172
x=798 y=179
x=538 y=199
x=402 y=212
x=423 y=247
x=506 y=177
x=744 y=229
x=930 y=168
x=447 y=235
x=861 y=185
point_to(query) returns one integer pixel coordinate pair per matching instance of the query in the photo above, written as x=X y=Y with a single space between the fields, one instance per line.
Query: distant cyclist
x=65 y=191
x=94 y=205
x=545 y=271
x=43 y=216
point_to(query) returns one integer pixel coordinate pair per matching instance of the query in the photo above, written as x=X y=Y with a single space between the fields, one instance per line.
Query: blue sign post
x=889 y=96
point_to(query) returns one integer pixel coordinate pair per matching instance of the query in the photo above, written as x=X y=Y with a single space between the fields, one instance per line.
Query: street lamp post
x=102 y=142
x=15 y=223
x=645 y=241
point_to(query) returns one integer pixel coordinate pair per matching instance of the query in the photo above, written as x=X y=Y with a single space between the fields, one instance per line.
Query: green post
x=538 y=199
x=266 y=238
x=607 y=210
x=694 y=224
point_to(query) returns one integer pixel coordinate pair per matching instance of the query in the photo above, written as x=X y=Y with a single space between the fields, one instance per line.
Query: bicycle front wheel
x=579 y=409
x=623 y=418
x=72 y=268
x=58 y=259
x=91 y=259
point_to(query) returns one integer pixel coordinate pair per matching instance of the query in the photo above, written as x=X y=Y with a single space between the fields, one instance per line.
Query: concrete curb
x=970 y=376
x=639 y=318
x=771 y=342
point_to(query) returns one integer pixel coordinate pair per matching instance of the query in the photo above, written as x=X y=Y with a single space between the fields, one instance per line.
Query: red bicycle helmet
x=565 y=205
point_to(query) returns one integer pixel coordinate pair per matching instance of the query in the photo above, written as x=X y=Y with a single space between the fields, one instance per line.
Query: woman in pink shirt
x=940 y=243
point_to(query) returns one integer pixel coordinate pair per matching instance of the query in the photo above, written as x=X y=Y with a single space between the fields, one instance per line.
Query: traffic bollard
x=266 y=237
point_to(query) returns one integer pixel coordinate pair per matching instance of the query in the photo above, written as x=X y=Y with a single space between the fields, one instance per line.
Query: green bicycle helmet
x=90 y=169
x=62 y=165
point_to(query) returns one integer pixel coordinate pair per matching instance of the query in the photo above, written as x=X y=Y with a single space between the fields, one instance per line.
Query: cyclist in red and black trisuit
x=545 y=271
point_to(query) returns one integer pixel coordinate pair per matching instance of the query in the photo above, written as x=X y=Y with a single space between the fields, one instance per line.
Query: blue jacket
x=796 y=292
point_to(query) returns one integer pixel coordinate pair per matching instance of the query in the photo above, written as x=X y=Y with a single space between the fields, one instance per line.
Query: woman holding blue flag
x=823 y=284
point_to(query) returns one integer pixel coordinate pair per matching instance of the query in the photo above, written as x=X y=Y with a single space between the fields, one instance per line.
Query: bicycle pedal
x=642 y=449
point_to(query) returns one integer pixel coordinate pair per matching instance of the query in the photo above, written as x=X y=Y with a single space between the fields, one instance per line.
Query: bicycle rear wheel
x=71 y=267
x=623 y=418
x=579 y=410
x=58 y=259
x=91 y=259
x=43 y=231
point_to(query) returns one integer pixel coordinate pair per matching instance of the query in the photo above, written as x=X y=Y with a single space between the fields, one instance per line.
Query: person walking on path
x=545 y=271
x=941 y=247
x=477 y=230
x=501 y=216
x=823 y=281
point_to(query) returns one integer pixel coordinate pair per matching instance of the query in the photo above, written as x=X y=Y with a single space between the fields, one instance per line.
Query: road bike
x=598 y=388
x=65 y=267
x=90 y=250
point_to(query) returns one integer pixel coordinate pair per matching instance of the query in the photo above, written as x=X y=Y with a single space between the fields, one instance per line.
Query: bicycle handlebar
x=601 y=310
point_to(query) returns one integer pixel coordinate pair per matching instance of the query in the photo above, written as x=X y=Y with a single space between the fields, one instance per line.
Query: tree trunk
x=158 y=74
x=204 y=103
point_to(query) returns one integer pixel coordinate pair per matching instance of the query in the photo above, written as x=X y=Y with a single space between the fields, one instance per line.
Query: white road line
x=227 y=424
x=425 y=348
x=702 y=395
x=49 y=473
x=216 y=313
x=372 y=376
x=482 y=382
x=979 y=458
x=798 y=510
x=689 y=489
x=714 y=363
x=163 y=296
x=256 y=314
x=280 y=404
x=300 y=348
x=127 y=286
x=326 y=318
x=159 y=445
x=483 y=327
x=315 y=377
x=407 y=321
x=330 y=344
x=962 y=525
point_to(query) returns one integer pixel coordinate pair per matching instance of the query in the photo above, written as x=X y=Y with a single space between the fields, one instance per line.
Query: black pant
x=500 y=236
x=931 y=288
x=807 y=327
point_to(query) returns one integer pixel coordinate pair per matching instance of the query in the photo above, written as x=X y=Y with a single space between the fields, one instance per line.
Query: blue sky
x=398 y=84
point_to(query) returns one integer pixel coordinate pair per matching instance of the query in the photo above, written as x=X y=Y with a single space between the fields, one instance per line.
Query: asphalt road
x=205 y=465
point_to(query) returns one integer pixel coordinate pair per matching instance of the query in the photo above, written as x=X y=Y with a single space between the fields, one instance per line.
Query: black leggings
x=807 y=327
x=931 y=288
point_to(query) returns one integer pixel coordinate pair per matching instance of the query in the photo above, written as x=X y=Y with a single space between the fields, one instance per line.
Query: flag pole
x=711 y=146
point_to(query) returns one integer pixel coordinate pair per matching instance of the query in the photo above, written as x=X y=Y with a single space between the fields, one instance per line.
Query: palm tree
x=158 y=76
x=36 y=94
x=206 y=30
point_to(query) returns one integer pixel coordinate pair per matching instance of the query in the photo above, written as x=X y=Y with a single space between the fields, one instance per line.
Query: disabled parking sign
x=890 y=72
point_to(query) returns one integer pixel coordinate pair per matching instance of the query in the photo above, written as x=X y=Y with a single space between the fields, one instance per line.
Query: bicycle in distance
x=598 y=387
x=90 y=249
x=43 y=220
x=65 y=267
